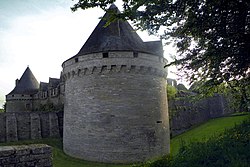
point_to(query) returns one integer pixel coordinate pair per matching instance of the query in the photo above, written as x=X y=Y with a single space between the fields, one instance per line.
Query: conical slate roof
x=118 y=36
x=27 y=84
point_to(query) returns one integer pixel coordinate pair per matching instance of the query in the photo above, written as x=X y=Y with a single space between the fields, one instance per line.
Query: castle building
x=114 y=96
x=29 y=95
x=115 y=108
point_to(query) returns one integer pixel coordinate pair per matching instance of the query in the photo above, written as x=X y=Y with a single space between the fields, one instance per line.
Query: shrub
x=228 y=149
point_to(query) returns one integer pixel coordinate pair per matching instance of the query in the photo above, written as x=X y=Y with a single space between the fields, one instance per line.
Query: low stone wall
x=30 y=125
x=39 y=155
x=188 y=113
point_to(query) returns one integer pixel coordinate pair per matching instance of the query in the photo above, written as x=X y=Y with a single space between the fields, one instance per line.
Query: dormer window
x=105 y=55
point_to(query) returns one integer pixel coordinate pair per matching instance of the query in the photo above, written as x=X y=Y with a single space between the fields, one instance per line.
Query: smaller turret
x=20 y=98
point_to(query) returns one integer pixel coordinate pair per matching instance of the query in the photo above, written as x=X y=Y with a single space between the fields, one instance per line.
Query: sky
x=42 y=34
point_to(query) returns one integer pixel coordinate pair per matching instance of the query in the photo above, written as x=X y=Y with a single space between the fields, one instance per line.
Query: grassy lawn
x=202 y=132
x=207 y=130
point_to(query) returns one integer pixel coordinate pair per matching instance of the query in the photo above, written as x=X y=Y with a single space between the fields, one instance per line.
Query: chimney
x=17 y=81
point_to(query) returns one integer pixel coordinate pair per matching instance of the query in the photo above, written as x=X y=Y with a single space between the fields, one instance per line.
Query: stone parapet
x=117 y=62
x=39 y=155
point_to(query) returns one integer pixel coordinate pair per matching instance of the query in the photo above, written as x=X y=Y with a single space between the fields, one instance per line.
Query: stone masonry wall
x=36 y=125
x=35 y=155
x=188 y=113
x=30 y=125
x=115 y=108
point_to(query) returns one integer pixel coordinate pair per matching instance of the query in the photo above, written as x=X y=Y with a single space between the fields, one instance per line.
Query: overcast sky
x=42 y=34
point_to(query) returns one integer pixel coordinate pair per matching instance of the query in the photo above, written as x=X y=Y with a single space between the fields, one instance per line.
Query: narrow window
x=133 y=67
x=76 y=59
x=159 y=122
x=28 y=107
x=135 y=54
x=113 y=67
x=105 y=55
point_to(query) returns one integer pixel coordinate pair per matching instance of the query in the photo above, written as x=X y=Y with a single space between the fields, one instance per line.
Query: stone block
x=44 y=120
x=23 y=126
x=36 y=155
x=53 y=125
x=35 y=126
x=40 y=149
x=6 y=151
x=11 y=127
x=2 y=127
x=22 y=150
x=23 y=164
x=44 y=162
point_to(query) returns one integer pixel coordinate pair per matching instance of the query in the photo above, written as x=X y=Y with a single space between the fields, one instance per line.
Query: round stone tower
x=20 y=99
x=115 y=97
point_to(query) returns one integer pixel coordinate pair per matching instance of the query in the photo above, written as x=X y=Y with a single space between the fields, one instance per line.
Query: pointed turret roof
x=117 y=36
x=27 y=84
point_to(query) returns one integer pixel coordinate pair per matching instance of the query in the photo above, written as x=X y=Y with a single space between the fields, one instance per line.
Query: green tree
x=212 y=37
x=237 y=92
x=4 y=108
x=171 y=92
x=240 y=95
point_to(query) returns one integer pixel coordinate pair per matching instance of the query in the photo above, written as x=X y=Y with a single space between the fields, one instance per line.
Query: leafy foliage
x=237 y=93
x=171 y=92
x=212 y=37
x=50 y=107
x=228 y=149
x=4 y=108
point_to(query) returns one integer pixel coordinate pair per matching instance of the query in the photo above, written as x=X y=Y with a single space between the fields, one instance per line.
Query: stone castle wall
x=39 y=155
x=17 y=103
x=36 y=102
x=188 y=113
x=36 y=125
x=115 y=108
x=30 y=125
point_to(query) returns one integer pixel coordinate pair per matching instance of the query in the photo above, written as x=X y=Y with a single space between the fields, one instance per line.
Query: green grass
x=207 y=130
